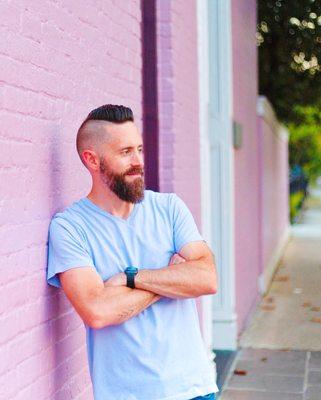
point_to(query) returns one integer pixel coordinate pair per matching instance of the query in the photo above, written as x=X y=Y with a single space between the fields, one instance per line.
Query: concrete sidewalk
x=289 y=316
x=280 y=351
x=261 y=374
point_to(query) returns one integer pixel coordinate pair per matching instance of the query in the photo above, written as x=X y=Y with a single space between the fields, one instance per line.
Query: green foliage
x=296 y=200
x=305 y=140
x=289 y=40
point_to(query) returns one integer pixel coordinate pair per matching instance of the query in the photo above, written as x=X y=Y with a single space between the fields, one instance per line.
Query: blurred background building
x=189 y=71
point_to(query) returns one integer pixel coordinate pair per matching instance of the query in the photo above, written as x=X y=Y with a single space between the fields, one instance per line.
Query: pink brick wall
x=274 y=187
x=59 y=60
x=246 y=162
x=178 y=101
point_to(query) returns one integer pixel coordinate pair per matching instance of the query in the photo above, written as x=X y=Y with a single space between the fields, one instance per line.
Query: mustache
x=135 y=171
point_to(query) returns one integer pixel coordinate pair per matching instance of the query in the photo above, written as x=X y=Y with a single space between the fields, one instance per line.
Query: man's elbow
x=212 y=288
x=95 y=323
x=94 y=319
x=211 y=282
x=99 y=323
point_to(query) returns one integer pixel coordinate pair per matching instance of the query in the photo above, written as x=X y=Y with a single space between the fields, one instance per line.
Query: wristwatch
x=130 y=273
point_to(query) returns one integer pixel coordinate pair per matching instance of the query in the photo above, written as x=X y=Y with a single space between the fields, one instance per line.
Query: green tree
x=289 y=40
x=305 y=140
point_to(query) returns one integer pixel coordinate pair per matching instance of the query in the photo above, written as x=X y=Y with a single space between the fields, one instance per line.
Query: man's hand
x=192 y=273
x=176 y=259
x=120 y=279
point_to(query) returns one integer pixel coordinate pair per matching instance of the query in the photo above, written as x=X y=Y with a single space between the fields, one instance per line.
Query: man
x=131 y=261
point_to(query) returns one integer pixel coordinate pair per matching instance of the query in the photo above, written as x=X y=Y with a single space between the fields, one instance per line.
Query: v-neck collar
x=94 y=207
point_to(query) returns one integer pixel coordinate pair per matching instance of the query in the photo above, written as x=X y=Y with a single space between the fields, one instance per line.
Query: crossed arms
x=191 y=273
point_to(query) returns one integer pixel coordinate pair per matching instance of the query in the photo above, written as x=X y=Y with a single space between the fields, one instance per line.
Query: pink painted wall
x=179 y=136
x=178 y=101
x=246 y=162
x=59 y=60
x=274 y=188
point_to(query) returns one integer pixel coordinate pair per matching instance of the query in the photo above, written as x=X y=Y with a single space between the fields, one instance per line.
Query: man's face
x=121 y=162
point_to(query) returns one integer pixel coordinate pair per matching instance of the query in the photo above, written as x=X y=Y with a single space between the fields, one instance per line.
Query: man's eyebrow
x=129 y=147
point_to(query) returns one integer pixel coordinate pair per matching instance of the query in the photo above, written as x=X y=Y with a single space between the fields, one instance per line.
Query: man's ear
x=91 y=159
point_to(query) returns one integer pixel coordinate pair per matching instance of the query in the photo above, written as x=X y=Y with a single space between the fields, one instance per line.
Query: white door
x=215 y=83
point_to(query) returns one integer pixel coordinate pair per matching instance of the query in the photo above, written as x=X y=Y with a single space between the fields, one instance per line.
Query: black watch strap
x=130 y=274
x=131 y=280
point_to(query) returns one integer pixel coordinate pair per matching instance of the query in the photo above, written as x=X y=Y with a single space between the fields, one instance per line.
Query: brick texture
x=246 y=161
x=178 y=101
x=59 y=60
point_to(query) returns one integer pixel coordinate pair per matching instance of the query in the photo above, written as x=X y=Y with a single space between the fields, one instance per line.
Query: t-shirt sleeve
x=184 y=227
x=66 y=250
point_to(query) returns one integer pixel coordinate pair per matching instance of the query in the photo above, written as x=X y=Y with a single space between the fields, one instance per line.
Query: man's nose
x=137 y=159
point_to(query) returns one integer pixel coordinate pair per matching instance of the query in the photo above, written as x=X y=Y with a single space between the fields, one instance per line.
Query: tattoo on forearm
x=126 y=313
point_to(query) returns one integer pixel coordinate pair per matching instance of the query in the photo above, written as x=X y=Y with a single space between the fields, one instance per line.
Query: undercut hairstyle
x=90 y=135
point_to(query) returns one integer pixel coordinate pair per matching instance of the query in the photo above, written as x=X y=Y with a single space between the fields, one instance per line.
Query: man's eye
x=126 y=151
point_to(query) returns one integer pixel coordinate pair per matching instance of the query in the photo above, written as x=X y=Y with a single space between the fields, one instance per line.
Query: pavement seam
x=305 y=382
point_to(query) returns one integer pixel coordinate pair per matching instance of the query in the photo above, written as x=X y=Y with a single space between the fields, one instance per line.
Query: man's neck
x=110 y=202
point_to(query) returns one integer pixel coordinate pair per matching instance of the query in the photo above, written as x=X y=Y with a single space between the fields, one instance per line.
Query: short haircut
x=90 y=134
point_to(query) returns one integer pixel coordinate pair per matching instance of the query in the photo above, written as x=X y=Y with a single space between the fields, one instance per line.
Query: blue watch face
x=131 y=270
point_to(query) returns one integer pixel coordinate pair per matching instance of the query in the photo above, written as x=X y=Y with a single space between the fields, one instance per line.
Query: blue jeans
x=210 y=396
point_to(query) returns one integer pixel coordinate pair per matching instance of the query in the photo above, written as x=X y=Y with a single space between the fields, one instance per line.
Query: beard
x=131 y=192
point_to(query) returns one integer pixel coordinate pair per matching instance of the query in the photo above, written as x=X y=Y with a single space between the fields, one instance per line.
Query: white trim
x=225 y=326
x=225 y=333
x=265 y=110
x=265 y=278
x=203 y=82
x=218 y=177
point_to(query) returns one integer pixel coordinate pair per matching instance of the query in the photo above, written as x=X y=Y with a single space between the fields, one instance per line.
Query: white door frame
x=217 y=176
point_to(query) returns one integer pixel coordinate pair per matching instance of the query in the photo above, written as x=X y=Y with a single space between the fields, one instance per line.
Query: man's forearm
x=117 y=304
x=187 y=279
